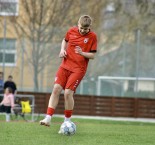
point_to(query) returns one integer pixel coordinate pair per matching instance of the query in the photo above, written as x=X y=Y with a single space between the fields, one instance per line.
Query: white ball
x=68 y=128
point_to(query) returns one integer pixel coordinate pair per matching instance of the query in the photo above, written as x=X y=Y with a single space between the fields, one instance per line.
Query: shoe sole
x=42 y=123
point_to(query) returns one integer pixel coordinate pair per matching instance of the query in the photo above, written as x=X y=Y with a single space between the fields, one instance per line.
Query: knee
x=68 y=94
x=57 y=90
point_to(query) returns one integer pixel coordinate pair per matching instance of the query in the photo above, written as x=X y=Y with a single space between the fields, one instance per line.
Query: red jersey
x=88 y=43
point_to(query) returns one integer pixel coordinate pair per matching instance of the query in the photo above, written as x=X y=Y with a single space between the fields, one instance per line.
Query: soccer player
x=78 y=46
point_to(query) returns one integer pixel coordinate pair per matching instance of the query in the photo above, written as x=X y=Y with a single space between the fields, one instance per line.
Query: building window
x=9 y=7
x=10 y=52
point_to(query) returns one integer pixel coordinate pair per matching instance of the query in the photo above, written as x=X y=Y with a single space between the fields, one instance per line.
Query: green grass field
x=89 y=132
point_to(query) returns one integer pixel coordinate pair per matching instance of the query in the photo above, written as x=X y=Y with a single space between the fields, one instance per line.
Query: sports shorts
x=67 y=79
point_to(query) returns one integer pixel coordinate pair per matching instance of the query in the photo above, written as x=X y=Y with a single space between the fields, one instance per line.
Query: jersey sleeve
x=67 y=35
x=94 y=44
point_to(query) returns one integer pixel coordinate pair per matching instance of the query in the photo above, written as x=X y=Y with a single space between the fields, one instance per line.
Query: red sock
x=68 y=113
x=50 y=111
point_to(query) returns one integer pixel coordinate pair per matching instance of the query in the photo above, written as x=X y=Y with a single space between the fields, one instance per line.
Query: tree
x=120 y=21
x=41 y=24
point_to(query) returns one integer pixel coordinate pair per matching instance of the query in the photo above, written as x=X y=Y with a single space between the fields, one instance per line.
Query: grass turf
x=89 y=132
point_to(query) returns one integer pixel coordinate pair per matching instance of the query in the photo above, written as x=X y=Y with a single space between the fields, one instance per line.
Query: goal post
x=123 y=83
x=19 y=97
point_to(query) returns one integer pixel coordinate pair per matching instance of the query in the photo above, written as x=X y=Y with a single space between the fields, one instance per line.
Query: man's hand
x=88 y=55
x=78 y=50
x=63 y=54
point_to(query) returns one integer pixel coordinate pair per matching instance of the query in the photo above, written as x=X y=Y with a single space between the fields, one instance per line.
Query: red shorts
x=67 y=79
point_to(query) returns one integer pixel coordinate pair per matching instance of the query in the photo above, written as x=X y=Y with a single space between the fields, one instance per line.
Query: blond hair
x=85 y=21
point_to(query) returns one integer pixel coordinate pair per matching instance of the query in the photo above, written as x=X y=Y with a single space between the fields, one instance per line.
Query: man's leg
x=72 y=83
x=69 y=104
x=53 y=102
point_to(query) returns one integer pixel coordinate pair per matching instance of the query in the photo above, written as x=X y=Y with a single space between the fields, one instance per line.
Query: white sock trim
x=48 y=116
x=67 y=119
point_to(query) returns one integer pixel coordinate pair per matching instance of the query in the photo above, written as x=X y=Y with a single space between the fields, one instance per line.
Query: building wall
x=22 y=71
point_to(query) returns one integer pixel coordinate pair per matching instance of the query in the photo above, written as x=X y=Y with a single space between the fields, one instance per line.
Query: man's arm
x=89 y=55
x=63 y=52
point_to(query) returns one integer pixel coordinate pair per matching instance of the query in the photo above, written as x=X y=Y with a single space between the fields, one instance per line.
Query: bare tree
x=41 y=24
x=120 y=21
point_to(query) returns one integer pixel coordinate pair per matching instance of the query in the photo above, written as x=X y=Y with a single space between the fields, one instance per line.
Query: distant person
x=7 y=103
x=78 y=47
x=1 y=83
x=10 y=83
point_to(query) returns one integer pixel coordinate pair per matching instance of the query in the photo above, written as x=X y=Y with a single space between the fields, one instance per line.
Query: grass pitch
x=89 y=132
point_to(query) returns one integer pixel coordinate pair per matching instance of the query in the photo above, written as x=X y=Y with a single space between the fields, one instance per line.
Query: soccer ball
x=68 y=128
